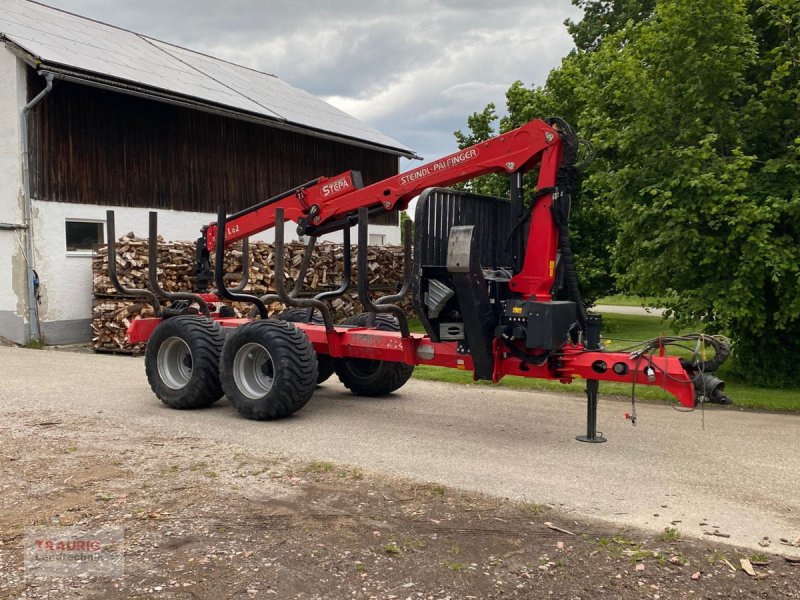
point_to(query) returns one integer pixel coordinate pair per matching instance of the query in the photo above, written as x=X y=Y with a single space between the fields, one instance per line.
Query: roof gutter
x=33 y=320
x=187 y=102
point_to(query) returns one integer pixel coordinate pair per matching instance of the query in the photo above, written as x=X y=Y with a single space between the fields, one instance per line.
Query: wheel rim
x=253 y=371
x=174 y=363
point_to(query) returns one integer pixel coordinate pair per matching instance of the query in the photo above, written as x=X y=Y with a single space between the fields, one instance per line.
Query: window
x=377 y=239
x=83 y=236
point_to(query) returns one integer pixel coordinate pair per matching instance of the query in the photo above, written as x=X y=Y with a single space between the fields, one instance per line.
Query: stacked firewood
x=112 y=314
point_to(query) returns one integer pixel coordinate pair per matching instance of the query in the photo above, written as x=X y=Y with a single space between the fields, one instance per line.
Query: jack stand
x=592 y=386
x=593 y=324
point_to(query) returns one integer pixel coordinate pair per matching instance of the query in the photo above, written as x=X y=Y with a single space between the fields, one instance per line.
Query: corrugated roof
x=58 y=38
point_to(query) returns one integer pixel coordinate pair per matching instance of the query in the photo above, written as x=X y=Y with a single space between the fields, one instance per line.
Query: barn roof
x=94 y=53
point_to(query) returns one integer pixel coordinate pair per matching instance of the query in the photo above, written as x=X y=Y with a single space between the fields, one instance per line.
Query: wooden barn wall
x=92 y=146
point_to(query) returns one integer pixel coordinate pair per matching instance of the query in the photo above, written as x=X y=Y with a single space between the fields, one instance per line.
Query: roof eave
x=67 y=73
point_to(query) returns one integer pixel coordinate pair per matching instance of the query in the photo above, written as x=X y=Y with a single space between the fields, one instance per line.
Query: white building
x=95 y=117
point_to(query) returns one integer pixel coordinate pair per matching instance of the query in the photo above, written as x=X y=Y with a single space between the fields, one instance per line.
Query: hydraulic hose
x=570 y=274
x=567 y=181
x=722 y=350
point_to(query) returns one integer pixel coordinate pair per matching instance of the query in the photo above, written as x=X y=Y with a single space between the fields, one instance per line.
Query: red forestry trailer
x=483 y=277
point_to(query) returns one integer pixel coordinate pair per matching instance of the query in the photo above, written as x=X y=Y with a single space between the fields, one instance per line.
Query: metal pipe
x=152 y=271
x=280 y=287
x=245 y=267
x=301 y=275
x=348 y=270
x=111 y=234
x=33 y=326
x=363 y=283
x=222 y=289
x=298 y=283
x=406 y=285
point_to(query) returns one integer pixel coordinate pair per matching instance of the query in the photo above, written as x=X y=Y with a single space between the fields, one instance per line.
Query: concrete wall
x=66 y=277
x=13 y=292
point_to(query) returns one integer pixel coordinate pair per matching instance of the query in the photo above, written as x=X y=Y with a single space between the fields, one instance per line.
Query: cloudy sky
x=413 y=69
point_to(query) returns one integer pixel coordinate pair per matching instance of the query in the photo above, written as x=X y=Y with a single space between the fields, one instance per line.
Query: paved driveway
x=734 y=470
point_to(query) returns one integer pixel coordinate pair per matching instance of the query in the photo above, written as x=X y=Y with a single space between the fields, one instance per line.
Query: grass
x=670 y=534
x=616 y=330
x=438 y=490
x=392 y=549
x=320 y=467
x=533 y=509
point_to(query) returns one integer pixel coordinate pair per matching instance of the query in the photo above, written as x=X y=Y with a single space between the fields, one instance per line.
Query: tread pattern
x=376 y=377
x=295 y=369
x=325 y=364
x=205 y=339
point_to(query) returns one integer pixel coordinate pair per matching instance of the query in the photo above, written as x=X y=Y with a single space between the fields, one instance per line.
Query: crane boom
x=327 y=200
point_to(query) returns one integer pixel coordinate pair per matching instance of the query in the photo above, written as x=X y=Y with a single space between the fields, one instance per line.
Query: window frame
x=84 y=251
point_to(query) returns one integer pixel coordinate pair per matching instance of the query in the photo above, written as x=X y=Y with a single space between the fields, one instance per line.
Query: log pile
x=112 y=314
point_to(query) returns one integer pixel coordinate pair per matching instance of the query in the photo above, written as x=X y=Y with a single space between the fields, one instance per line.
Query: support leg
x=592 y=387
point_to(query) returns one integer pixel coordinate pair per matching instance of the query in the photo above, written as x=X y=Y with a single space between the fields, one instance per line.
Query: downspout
x=33 y=325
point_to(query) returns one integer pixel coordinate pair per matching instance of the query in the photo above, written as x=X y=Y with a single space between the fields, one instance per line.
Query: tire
x=181 y=361
x=325 y=364
x=366 y=377
x=268 y=369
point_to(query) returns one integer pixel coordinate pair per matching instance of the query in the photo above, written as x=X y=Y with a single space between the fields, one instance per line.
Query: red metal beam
x=568 y=364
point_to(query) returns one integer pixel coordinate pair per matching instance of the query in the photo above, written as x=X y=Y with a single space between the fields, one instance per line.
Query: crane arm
x=328 y=203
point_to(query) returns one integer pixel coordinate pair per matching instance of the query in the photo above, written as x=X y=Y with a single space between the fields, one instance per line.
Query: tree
x=695 y=190
x=706 y=196
x=602 y=18
x=403 y=218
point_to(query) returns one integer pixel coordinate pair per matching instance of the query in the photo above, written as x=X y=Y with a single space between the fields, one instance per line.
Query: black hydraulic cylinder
x=517 y=209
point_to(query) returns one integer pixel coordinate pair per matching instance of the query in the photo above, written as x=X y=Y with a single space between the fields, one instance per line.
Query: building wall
x=93 y=146
x=13 y=291
x=66 y=277
x=93 y=149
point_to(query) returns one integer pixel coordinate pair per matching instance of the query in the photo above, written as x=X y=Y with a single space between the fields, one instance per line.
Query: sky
x=413 y=69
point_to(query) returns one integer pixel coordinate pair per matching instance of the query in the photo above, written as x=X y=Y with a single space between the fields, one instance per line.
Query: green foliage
x=604 y=17
x=694 y=195
x=696 y=90
x=403 y=218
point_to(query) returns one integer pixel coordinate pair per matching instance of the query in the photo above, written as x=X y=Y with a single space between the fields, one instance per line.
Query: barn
x=95 y=117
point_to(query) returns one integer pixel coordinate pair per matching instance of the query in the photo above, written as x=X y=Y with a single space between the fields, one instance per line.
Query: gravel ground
x=436 y=492
x=733 y=469
x=206 y=519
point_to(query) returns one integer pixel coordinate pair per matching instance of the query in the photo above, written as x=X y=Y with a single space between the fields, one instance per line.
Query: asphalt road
x=735 y=470
x=628 y=310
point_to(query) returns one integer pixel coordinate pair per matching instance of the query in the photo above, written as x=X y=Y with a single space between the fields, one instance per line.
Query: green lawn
x=617 y=330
